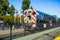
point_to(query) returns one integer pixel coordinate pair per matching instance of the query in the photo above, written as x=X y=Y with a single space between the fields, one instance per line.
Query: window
x=29 y=12
x=29 y=17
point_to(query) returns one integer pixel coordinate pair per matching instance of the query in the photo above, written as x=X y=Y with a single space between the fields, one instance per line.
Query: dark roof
x=43 y=13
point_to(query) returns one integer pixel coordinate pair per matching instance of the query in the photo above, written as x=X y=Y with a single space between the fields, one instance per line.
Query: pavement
x=44 y=35
x=4 y=33
x=49 y=36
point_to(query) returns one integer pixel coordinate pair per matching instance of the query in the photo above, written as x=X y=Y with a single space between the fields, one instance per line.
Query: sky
x=51 y=7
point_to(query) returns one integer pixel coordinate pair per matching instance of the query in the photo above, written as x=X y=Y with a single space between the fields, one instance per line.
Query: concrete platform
x=50 y=36
x=39 y=34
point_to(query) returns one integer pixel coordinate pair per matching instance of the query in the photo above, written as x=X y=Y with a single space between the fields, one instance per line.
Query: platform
x=39 y=34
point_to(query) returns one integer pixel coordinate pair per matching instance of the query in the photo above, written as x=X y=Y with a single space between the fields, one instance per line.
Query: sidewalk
x=7 y=32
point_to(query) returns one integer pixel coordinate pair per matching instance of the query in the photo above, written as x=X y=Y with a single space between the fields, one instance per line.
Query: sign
x=44 y=25
x=33 y=25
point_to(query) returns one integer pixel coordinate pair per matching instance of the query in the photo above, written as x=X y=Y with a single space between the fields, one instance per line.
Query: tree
x=31 y=7
x=8 y=19
x=25 y=4
x=5 y=8
x=11 y=10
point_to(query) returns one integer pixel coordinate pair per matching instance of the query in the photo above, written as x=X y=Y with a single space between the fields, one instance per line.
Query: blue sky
x=51 y=7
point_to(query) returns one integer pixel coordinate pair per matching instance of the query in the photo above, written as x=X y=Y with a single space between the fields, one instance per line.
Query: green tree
x=18 y=20
x=6 y=9
x=25 y=4
x=8 y=19
x=22 y=18
x=11 y=10
x=31 y=7
x=4 y=6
